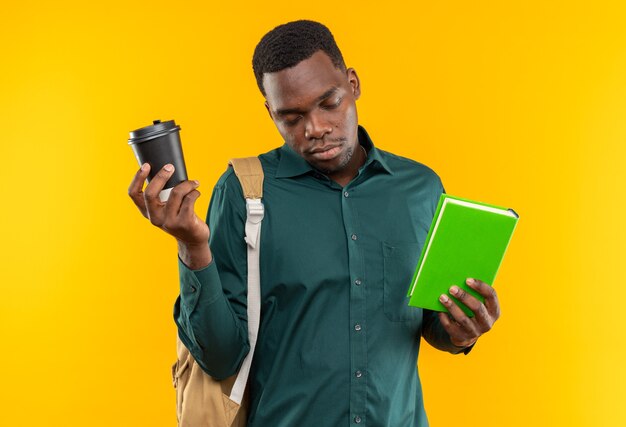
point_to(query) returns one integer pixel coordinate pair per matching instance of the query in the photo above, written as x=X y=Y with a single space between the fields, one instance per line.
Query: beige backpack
x=202 y=401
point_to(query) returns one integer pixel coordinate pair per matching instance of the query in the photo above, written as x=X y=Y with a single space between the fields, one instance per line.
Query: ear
x=269 y=111
x=354 y=82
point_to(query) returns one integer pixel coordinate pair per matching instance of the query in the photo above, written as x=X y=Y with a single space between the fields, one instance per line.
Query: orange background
x=518 y=104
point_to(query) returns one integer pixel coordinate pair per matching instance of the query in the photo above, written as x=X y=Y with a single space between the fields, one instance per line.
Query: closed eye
x=293 y=121
x=332 y=106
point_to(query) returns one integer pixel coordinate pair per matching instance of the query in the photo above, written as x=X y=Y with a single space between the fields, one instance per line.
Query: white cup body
x=165 y=194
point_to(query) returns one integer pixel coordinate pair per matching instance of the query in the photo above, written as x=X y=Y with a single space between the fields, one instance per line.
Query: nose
x=316 y=127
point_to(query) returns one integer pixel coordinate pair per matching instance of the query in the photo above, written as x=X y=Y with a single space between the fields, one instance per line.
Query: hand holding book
x=465 y=330
x=466 y=238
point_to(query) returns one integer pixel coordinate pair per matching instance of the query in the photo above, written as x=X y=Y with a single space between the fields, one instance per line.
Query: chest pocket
x=400 y=260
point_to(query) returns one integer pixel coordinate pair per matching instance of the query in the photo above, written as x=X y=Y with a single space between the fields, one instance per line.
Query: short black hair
x=289 y=44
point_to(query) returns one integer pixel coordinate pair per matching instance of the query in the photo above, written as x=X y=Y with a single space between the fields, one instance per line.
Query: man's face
x=313 y=107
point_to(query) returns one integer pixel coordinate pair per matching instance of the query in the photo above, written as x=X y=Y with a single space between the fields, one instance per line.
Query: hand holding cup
x=176 y=216
x=169 y=198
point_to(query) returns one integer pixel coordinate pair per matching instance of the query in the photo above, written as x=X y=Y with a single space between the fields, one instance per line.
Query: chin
x=335 y=165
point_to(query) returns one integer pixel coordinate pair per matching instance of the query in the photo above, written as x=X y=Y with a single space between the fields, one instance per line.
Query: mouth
x=325 y=153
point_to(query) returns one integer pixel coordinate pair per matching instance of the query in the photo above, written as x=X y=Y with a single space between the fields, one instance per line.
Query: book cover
x=466 y=239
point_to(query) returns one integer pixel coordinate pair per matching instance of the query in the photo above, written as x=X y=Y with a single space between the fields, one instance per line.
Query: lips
x=325 y=153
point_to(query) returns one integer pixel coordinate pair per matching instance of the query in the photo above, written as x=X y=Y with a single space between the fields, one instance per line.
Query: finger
x=467 y=324
x=491 y=297
x=136 y=186
x=176 y=198
x=452 y=328
x=154 y=205
x=458 y=336
x=158 y=181
x=481 y=315
x=187 y=207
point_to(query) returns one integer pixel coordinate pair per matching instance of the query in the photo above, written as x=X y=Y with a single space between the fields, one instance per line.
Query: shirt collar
x=292 y=164
x=373 y=154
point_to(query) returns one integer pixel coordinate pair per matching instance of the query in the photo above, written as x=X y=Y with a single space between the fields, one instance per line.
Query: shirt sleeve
x=211 y=310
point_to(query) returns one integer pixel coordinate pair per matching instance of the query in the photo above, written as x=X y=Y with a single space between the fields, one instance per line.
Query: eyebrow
x=325 y=95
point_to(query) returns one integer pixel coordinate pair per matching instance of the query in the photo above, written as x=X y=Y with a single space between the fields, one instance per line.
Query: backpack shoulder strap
x=250 y=175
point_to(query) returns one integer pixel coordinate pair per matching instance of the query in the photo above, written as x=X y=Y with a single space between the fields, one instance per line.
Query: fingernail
x=196 y=182
x=168 y=167
x=144 y=167
x=454 y=290
x=444 y=298
x=470 y=282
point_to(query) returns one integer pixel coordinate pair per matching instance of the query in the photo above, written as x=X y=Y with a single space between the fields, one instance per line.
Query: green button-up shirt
x=338 y=343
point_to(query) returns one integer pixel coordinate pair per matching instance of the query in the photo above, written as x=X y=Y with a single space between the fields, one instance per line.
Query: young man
x=344 y=225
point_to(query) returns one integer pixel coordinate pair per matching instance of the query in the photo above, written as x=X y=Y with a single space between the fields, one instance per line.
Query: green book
x=466 y=239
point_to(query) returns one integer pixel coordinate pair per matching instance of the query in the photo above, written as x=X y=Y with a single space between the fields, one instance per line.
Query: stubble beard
x=347 y=156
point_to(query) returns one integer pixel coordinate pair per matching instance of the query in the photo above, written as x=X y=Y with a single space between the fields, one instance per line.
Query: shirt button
x=358 y=374
x=346 y=194
x=357 y=282
x=353 y=237
x=357 y=327
x=357 y=419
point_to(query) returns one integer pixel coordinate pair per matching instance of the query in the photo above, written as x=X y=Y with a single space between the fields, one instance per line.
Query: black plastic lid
x=155 y=130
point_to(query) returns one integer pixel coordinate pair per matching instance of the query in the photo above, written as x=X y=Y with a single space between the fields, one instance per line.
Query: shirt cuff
x=464 y=350
x=195 y=284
